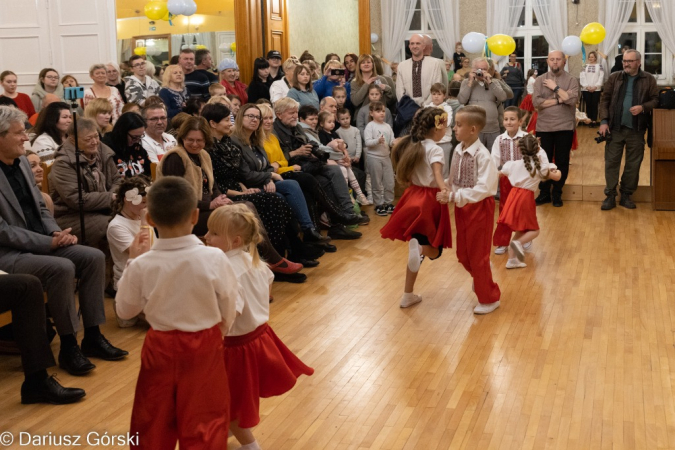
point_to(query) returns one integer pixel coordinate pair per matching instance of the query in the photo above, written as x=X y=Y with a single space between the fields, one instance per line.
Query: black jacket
x=255 y=171
x=645 y=93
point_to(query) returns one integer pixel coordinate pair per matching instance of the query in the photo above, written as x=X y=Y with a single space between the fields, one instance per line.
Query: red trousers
x=502 y=236
x=182 y=392
x=474 y=223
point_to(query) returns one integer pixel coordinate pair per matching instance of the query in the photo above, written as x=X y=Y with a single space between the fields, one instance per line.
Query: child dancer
x=419 y=218
x=326 y=135
x=519 y=212
x=189 y=294
x=473 y=177
x=258 y=364
x=505 y=148
x=379 y=138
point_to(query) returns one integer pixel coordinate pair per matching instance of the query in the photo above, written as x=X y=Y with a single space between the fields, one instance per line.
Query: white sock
x=252 y=446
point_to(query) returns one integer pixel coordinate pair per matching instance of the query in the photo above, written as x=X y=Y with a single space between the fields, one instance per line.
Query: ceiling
x=128 y=8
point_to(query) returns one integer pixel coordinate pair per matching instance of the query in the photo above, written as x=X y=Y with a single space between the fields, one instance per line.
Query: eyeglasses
x=629 y=61
x=135 y=66
x=252 y=117
x=157 y=119
x=135 y=138
x=90 y=139
x=52 y=77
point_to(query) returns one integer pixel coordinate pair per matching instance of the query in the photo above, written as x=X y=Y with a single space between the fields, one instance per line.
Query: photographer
x=479 y=89
x=333 y=75
x=628 y=98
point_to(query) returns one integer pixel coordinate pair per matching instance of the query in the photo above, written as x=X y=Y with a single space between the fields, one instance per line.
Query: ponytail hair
x=409 y=151
x=238 y=220
x=529 y=147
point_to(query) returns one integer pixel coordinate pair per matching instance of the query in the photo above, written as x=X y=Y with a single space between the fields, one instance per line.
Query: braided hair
x=409 y=151
x=529 y=147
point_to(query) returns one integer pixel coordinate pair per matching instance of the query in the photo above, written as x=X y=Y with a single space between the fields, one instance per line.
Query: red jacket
x=239 y=90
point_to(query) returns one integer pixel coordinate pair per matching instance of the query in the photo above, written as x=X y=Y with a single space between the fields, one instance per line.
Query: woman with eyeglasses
x=48 y=83
x=100 y=180
x=125 y=140
x=100 y=89
x=114 y=78
x=51 y=130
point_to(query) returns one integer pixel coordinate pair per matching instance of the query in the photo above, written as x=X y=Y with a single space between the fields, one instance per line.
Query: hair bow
x=133 y=196
x=441 y=121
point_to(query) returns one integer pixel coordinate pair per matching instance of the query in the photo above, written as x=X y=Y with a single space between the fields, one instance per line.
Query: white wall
x=67 y=35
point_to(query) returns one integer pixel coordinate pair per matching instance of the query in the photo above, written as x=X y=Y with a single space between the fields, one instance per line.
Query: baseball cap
x=273 y=54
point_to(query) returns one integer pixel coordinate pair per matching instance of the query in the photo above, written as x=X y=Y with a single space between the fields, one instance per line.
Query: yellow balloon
x=155 y=10
x=592 y=34
x=200 y=47
x=233 y=46
x=140 y=51
x=167 y=16
x=501 y=44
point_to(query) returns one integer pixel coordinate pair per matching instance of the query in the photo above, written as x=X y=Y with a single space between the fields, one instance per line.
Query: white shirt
x=448 y=131
x=44 y=146
x=519 y=176
x=279 y=89
x=530 y=85
x=180 y=284
x=484 y=177
x=496 y=147
x=121 y=233
x=254 y=290
x=423 y=175
x=592 y=75
x=156 y=149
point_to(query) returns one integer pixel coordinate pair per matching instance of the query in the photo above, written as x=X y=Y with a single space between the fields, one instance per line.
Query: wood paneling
x=364 y=27
x=276 y=27
x=248 y=35
x=663 y=159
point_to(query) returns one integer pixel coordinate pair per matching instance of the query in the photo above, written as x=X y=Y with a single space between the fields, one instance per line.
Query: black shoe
x=364 y=219
x=309 y=263
x=349 y=219
x=311 y=251
x=542 y=199
x=381 y=210
x=325 y=246
x=389 y=208
x=311 y=235
x=110 y=291
x=290 y=277
x=49 y=391
x=100 y=347
x=73 y=361
x=557 y=201
x=609 y=202
x=626 y=202
x=341 y=232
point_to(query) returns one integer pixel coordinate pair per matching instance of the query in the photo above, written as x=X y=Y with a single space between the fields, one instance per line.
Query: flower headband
x=134 y=196
x=441 y=121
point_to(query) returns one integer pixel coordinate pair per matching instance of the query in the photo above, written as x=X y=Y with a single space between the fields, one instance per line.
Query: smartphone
x=339 y=72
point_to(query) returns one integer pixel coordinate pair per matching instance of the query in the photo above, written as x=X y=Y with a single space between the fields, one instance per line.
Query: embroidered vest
x=464 y=172
x=505 y=150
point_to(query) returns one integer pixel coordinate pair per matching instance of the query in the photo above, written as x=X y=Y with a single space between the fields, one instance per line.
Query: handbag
x=667 y=98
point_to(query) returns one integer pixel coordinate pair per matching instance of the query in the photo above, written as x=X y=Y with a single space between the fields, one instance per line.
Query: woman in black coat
x=258 y=88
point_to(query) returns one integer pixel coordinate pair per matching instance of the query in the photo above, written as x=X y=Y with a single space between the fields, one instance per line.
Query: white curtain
x=207 y=39
x=502 y=18
x=614 y=15
x=552 y=18
x=663 y=15
x=396 y=18
x=443 y=20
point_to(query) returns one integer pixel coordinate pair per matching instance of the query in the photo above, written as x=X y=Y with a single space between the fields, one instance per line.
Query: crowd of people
x=180 y=153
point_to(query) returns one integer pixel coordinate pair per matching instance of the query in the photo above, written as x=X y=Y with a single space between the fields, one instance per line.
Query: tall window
x=531 y=45
x=640 y=34
x=420 y=25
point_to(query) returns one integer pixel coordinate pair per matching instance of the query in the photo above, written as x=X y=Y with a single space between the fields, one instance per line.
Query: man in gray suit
x=32 y=243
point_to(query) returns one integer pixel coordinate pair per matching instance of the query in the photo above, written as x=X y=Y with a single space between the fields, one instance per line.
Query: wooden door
x=276 y=27
x=248 y=34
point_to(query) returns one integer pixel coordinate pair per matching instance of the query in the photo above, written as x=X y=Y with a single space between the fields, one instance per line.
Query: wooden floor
x=579 y=356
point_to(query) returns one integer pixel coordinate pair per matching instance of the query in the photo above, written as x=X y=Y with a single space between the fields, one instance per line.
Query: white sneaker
x=410 y=299
x=414 y=257
x=514 y=264
x=517 y=247
x=500 y=250
x=363 y=200
x=252 y=446
x=486 y=308
x=528 y=247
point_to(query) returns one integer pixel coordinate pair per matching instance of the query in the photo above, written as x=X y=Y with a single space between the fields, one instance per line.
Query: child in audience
x=419 y=218
x=326 y=135
x=520 y=213
x=504 y=149
x=438 y=91
x=236 y=104
x=363 y=116
x=217 y=90
x=473 y=178
x=190 y=296
x=352 y=137
x=340 y=95
x=379 y=138
x=258 y=364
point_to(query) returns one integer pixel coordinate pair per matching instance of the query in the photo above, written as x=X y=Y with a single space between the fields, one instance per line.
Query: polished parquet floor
x=579 y=356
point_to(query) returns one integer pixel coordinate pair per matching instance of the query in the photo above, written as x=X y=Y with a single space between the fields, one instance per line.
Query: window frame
x=426 y=29
x=528 y=32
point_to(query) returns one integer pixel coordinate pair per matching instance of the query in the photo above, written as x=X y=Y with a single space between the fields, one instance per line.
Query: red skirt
x=258 y=365
x=575 y=143
x=418 y=212
x=526 y=104
x=519 y=213
x=532 y=126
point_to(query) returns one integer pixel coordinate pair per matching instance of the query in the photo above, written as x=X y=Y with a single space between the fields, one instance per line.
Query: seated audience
x=100 y=111
x=139 y=86
x=217 y=90
x=114 y=79
x=69 y=81
x=177 y=122
x=229 y=70
x=197 y=82
x=235 y=101
x=279 y=89
x=32 y=243
x=9 y=84
x=51 y=130
x=204 y=63
x=48 y=83
x=258 y=88
x=125 y=140
x=38 y=174
x=302 y=90
x=155 y=141
x=131 y=107
x=49 y=98
x=194 y=106
x=174 y=93
x=100 y=89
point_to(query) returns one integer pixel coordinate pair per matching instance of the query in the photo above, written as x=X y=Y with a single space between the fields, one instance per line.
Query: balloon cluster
x=160 y=10
x=592 y=34
x=499 y=44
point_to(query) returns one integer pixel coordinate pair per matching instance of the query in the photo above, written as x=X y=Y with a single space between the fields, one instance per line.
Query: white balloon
x=571 y=45
x=474 y=42
x=374 y=38
x=177 y=7
x=224 y=46
x=153 y=51
x=190 y=9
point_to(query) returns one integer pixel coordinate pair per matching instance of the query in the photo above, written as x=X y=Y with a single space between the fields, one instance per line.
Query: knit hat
x=227 y=63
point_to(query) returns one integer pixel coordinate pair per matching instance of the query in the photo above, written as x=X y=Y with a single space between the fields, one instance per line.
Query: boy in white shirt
x=189 y=294
x=379 y=138
x=473 y=178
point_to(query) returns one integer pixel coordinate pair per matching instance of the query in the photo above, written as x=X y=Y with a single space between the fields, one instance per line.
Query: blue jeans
x=290 y=190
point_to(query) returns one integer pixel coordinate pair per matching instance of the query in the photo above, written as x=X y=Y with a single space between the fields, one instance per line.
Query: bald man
x=555 y=97
x=415 y=76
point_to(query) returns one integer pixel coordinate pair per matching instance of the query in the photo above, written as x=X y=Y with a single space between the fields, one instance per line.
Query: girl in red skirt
x=519 y=212
x=419 y=218
x=258 y=364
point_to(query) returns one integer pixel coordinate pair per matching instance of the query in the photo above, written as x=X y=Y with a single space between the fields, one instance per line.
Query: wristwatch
x=557 y=88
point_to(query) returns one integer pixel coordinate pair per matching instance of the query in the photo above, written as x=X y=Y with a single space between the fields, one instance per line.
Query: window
x=531 y=45
x=640 y=34
x=420 y=25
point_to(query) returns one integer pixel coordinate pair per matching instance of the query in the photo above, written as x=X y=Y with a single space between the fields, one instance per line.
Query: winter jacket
x=645 y=93
x=39 y=93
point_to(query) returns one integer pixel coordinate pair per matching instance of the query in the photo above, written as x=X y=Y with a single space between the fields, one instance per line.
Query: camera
x=339 y=72
x=600 y=139
x=320 y=154
x=479 y=73
x=73 y=93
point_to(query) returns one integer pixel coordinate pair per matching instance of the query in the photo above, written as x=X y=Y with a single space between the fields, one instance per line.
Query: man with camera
x=628 y=98
x=480 y=89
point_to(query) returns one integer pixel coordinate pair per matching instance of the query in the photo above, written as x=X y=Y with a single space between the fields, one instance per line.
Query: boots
x=334 y=211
